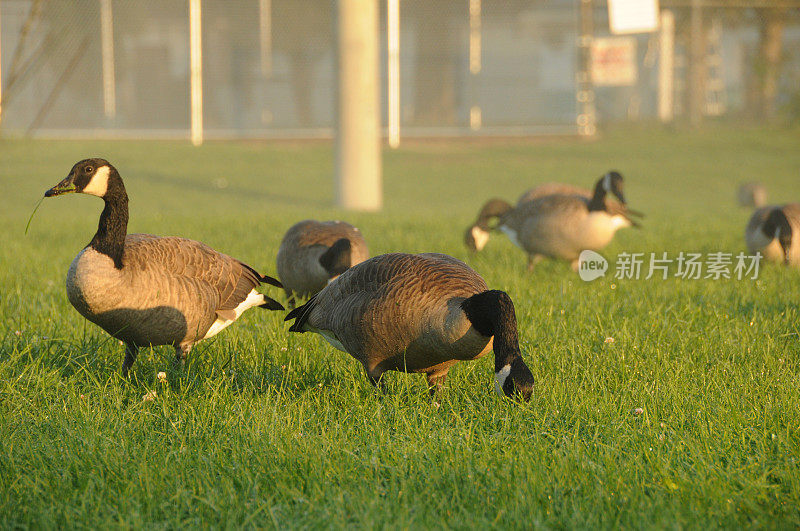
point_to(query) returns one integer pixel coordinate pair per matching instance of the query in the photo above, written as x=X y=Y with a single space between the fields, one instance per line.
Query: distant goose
x=146 y=290
x=478 y=234
x=752 y=195
x=774 y=231
x=314 y=252
x=418 y=313
x=557 y=225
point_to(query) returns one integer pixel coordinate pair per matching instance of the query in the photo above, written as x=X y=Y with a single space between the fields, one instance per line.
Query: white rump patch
x=480 y=236
x=500 y=378
x=512 y=235
x=254 y=298
x=98 y=185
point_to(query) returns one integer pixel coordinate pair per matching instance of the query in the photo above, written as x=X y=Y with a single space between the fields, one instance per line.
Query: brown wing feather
x=196 y=263
x=378 y=307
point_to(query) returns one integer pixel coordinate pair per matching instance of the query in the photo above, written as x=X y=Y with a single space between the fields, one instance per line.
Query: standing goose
x=146 y=290
x=417 y=313
x=314 y=252
x=478 y=234
x=773 y=231
x=563 y=225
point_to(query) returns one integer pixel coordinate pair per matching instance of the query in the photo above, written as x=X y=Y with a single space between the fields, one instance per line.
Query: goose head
x=777 y=227
x=336 y=260
x=477 y=235
x=492 y=314
x=90 y=176
x=514 y=379
x=611 y=182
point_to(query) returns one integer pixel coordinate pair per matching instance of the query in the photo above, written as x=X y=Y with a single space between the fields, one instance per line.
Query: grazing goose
x=417 y=313
x=314 y=252
x=478 y=234
x=560 y=225
x=773 y=231
x=146 y=290
x=752 y=195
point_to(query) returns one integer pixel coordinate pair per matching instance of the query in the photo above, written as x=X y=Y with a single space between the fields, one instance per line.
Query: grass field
x=267 y=429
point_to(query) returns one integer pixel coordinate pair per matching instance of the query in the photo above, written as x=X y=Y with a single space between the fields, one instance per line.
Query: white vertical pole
x=358 y=148
x=666 y=66
x=393 y=70
x=196 y=70
x=1 y=75
x=475 y=57
x=107 y=45
x=265 y=27
x=474 y=36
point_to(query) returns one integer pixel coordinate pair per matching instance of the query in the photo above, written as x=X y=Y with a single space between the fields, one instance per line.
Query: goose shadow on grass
x=240 y=192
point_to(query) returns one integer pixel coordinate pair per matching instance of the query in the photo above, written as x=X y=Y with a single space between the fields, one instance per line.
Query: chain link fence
x=466 y=67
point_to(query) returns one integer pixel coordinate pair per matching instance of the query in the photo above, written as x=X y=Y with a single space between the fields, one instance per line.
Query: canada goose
x=313 y=252
x=478 y=234
x=559 y=225
x=417 y=313
x=772 y=231
x=752 y=195
x=146 y=290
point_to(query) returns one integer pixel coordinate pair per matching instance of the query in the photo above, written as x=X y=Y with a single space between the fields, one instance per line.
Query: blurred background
x=122 y=68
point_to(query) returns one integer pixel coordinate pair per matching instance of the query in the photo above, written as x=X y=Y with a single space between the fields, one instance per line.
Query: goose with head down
x=752 y=195
x=418 y=313
x=312 y=253
x=774 y=231
x=149 y=290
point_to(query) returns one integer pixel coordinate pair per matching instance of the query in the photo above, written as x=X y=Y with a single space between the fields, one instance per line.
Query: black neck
x=113 y=227
x=494 y=208
x=598 y=201
x=492 y=314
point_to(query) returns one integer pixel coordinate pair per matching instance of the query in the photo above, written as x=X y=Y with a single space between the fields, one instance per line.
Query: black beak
x=66 y=186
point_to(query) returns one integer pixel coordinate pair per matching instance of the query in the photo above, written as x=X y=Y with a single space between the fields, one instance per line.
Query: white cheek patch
x=480 y=236
x=500 y=378
x=98 y=185
x=607 y=182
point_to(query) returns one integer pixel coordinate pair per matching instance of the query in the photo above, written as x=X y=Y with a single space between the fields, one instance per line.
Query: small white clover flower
x=150 y=396
x=609 y=340
x=638 y=411
x=162 y=377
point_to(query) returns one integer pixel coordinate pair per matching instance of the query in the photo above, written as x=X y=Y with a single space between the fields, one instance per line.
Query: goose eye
x=88 y=169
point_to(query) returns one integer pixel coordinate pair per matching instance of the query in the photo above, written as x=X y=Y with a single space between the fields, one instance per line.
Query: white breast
x=598 y=229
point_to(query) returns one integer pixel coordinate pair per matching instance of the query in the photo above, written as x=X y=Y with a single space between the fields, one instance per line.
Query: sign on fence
x=632 y=16
x=614 y=61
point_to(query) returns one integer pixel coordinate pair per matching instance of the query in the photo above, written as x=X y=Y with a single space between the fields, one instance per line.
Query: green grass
x=264 y=428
